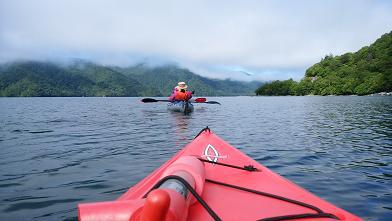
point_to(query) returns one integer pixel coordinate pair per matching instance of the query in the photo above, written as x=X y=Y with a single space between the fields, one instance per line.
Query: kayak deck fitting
x=211 y=180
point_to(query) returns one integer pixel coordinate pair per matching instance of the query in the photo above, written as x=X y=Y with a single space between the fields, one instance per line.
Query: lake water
x=58 y=152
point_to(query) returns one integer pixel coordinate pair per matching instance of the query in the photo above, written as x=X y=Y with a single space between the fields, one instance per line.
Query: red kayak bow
x=211 y=180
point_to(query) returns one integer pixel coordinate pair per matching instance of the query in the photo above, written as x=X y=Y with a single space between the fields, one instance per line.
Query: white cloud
x=273 y=39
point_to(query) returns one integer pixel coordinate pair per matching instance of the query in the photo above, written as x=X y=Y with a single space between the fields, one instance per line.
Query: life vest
x=181 y=96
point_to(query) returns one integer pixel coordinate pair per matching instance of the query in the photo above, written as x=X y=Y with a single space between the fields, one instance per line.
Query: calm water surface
x=57 y=152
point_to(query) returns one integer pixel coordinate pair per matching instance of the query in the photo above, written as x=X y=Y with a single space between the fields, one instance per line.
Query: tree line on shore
x=366 y=71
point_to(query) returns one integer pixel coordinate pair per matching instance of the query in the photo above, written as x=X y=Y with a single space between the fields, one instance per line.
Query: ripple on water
x=40 y=131
x=38 y=204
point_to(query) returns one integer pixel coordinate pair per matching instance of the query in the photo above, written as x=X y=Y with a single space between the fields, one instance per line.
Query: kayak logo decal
x=212 y=154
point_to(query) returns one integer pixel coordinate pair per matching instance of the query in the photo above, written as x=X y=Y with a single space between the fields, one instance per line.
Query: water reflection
x=180 y=124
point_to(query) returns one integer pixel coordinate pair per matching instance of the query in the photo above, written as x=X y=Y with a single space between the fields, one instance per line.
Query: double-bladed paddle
x=197 y=100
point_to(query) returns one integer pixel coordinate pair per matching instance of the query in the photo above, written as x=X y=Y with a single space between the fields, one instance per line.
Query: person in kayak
x=180 y=93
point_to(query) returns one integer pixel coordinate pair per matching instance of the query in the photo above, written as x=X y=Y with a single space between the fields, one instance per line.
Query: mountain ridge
x=84 y=78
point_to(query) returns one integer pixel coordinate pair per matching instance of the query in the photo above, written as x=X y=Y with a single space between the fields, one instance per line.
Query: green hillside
x=47 y=79
x=366 y=71
x=162 y=80
x=89 y=79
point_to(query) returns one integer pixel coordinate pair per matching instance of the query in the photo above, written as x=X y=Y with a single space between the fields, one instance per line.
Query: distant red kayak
x=211 y=180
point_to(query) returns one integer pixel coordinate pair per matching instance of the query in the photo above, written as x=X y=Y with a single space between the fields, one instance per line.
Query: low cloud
x=270 y=39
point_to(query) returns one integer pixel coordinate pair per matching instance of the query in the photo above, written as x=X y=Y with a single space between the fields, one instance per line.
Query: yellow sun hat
x=182 y=85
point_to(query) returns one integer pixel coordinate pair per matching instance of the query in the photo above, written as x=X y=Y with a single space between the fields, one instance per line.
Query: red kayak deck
x=234 y=204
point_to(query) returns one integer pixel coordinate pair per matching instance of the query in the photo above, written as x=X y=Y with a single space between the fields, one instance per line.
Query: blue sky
x=246 y=40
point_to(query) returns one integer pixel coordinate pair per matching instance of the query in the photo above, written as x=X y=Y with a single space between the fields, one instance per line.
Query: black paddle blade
x=212 y=102
x=148 y=100
x=152 y=100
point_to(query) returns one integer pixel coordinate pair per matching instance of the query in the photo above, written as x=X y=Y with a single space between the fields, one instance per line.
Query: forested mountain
x=162 y=79
x=366 y=71
x=82 y=78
